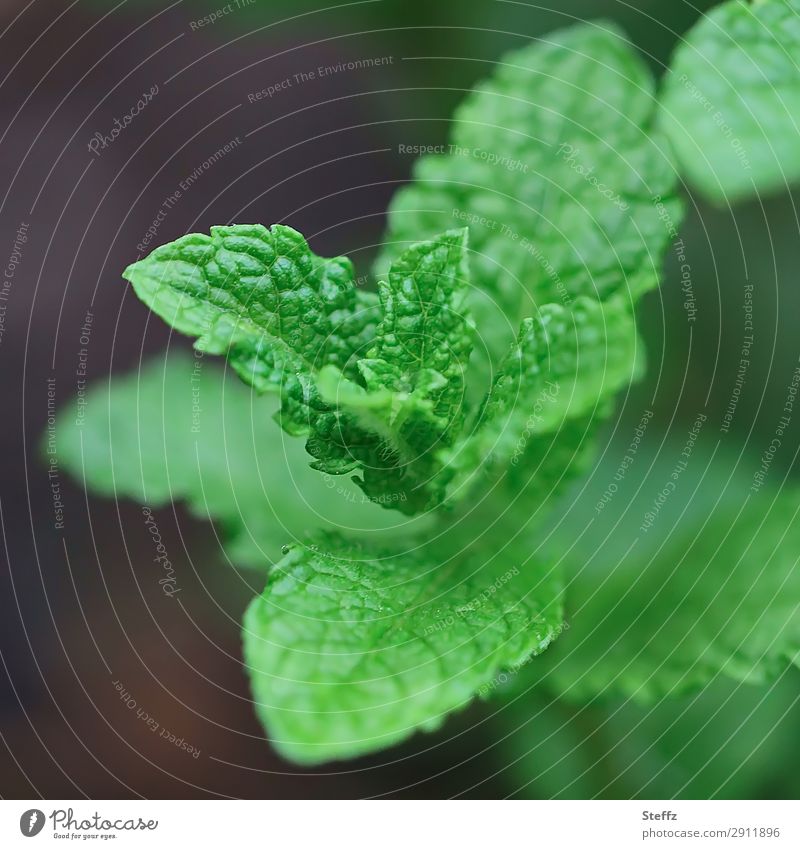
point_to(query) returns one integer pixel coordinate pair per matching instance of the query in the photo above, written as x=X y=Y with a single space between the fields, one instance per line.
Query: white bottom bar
x=400 y=824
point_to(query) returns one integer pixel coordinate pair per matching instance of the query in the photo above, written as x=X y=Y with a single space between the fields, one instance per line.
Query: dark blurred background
x=322 y=156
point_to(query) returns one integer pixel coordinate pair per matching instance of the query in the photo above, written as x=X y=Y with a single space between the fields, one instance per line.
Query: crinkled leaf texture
x=290 y=321
x=350 y=651
x=684 y=574
x=411 y=393
x=731 y=100
x=425 y=331
x=178 y=431
x=555 y=167
x=257 y=295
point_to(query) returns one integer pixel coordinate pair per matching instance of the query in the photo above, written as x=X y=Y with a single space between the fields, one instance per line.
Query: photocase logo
x=31 y=822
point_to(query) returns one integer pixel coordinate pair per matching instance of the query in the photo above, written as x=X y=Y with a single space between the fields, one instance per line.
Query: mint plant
x=445 y=414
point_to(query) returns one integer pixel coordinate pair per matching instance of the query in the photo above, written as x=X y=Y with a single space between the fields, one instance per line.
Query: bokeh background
x=323 y=157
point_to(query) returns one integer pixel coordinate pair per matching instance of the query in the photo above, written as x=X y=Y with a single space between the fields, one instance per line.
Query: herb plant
x=445 y=415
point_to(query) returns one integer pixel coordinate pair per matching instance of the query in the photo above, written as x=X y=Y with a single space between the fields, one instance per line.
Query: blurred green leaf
x=731 y=741
x=731 y=100
x=178 y=430
x=682 y=566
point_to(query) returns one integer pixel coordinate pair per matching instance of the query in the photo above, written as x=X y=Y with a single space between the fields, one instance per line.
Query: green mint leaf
x=426 y=327
x=554 y=167
x=682 y=568
x=412 y=396
x=390 y=433
x=731 y=100
x=351 y=650
x=566 y=364
x=178 y=431
x=258 y=296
